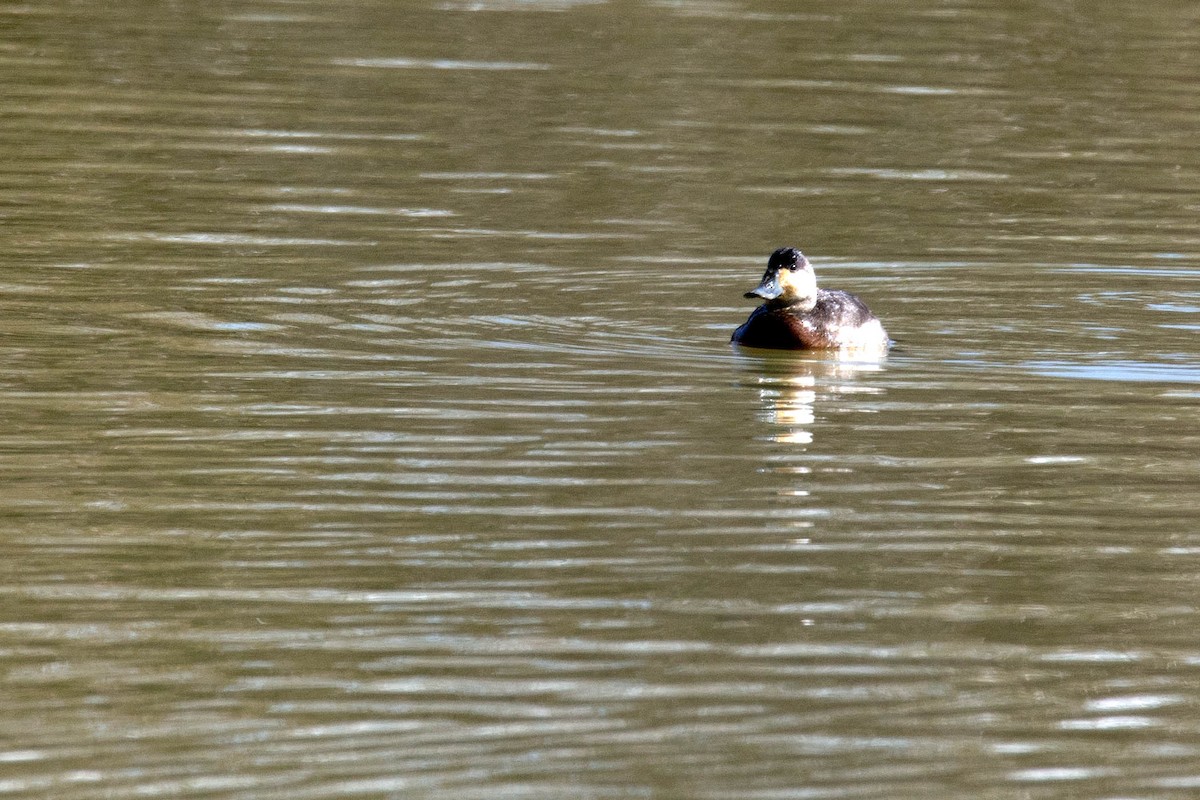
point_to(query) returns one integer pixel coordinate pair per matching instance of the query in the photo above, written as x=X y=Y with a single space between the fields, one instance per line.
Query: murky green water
x=370 y=427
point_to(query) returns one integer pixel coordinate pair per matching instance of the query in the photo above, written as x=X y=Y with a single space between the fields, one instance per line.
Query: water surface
x=371 y=427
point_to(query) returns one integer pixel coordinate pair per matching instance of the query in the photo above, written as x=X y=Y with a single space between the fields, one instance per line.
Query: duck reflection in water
x=796 y=315
x=792 y=385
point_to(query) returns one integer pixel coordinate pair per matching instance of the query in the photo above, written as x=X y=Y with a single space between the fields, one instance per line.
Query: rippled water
x=371 y=427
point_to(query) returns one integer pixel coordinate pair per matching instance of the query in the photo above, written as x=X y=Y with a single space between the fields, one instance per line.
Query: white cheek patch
x=797 y=284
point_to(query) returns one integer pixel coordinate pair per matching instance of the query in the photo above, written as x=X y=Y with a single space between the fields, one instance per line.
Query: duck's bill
x=769 y=289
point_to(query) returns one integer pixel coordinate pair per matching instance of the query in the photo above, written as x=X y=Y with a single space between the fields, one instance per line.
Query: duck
x=796 y=315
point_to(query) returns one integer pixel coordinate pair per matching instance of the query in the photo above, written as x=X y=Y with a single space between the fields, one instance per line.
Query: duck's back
x=839 y=320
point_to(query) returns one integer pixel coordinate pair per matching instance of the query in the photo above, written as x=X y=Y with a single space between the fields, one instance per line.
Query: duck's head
x=788 y=281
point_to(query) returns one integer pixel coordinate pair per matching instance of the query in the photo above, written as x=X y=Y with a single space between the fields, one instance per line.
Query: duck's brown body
x=837 y=320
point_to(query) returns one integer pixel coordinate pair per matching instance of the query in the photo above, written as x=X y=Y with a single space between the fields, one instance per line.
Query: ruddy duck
x=799 y=316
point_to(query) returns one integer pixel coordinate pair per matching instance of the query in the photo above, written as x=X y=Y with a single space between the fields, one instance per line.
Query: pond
x=371 y=427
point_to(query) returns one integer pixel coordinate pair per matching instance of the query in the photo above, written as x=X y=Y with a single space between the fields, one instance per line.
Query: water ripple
x=436 y=63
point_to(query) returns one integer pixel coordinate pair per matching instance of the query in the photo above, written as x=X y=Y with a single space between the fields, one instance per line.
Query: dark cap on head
x=786 y=258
